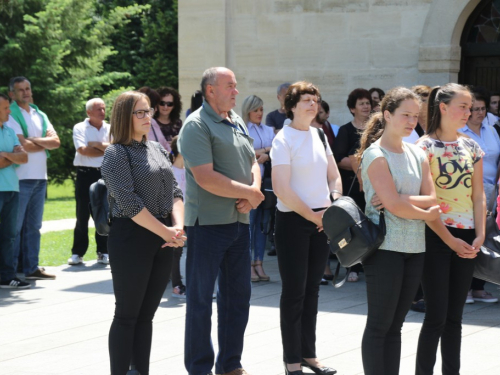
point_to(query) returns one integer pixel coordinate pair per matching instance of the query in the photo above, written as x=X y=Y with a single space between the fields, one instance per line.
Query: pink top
x=155 y=134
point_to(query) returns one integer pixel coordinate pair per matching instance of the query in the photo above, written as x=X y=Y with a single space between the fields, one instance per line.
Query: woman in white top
x=304 y=175
x=396 y=176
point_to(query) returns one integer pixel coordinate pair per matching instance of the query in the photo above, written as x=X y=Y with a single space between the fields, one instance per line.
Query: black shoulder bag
x=100 y=210
x=352 y=236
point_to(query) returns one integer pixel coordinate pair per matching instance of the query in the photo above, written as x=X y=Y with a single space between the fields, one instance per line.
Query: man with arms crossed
x=91 y=137
x=11 y=153
x=223 y=185
x=37 y=135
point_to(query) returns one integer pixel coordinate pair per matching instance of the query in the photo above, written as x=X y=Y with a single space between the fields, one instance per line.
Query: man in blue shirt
x=11 y=154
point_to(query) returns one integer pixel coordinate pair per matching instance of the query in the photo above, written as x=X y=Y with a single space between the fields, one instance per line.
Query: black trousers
x=84 y=178
x=446 y=281
x=302 y=254
x=140 y=268
x=176 y=267
x=392 y=278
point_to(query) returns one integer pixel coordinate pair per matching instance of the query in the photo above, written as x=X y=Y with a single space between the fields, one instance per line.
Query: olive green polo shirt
x=207 y=138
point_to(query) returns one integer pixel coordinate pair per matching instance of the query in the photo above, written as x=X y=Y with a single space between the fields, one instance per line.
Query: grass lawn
x=60 y=203
x=56 y=247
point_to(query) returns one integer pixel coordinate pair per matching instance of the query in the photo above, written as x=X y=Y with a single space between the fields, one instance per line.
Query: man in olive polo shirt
x=222 y=186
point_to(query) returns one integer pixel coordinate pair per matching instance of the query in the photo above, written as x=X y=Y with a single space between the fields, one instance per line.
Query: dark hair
x=3 y=96
x=495 y=93
x=482 y=94
x=381 y=92
x=376 y=124
x=294 y=92
x=15 y=80
x=325 y=106
x=175 y=114
x=196 y=100
x=153 y=96
x=175 y=150
x=356 y=95
x=438 y=95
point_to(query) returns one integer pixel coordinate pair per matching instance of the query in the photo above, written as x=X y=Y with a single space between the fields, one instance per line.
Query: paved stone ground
x=61 y=327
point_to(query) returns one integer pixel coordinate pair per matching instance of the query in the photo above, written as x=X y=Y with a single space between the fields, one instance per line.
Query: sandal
x=353 y=277
x=260 y=271
x=253 y=276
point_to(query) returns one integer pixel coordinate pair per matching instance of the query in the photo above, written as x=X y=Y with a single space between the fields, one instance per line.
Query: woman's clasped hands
x=175 y=238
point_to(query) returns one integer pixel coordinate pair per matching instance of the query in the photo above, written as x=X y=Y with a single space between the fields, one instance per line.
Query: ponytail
x=373 y=131
x=433 y=112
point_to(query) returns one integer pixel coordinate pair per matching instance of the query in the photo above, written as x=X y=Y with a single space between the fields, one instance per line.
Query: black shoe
x=272 y=252
x=288 y=372
x=328 y=277
x=319 y=370
x=418 y=306
x=15 y=283
x=323 y=282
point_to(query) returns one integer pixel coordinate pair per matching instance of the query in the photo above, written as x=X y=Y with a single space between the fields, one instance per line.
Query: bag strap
x=321 y=134
x=355 y=176
x=335 y=277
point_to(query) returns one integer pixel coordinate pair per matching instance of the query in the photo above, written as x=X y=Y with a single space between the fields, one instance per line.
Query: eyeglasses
x=141 y=113
x=477 y=109
x=168 y=104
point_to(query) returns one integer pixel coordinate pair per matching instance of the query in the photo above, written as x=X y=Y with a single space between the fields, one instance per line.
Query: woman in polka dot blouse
x=148 y=217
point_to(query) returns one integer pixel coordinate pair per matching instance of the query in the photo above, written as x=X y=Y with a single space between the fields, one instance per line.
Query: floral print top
x=452 y=167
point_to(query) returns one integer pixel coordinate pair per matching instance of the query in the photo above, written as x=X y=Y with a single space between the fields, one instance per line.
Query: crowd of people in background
x=225 y=187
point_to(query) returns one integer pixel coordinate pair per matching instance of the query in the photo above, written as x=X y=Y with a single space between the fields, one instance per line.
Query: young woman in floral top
x=453 y=241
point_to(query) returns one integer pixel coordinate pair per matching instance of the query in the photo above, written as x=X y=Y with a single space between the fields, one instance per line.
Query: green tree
x=147 y=45
x=61 y=46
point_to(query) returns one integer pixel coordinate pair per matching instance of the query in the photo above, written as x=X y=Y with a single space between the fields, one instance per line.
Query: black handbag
x=488 y=258
x=100 y=210
x=352 y=236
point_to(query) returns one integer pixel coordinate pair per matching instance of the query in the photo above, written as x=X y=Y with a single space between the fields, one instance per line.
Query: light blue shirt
x=8 y=176
x=490 y=144
x=263 y=136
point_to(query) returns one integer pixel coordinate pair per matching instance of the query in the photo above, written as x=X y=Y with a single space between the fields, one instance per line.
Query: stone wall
x=338 y=45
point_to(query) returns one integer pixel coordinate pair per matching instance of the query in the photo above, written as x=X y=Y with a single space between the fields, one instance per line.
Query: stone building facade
x=337 y=44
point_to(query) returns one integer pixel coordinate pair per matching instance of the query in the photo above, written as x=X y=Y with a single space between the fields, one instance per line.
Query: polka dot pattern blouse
x=147 y=181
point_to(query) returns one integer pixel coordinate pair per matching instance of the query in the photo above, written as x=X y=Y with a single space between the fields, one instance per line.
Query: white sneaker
x=75 y=259
x=102 y=258
x=469 y=299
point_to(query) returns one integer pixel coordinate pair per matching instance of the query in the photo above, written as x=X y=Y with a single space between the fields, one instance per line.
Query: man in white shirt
x=36 y=135
x=91 y=137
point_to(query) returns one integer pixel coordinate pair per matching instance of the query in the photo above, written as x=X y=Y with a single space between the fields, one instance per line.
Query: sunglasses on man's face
x=168 y=104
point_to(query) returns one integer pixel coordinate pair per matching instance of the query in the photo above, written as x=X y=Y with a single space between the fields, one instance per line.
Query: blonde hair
x=122 y=128
x=250 y=104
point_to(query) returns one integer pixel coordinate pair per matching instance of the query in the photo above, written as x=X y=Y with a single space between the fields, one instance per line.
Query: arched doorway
x=480 y=42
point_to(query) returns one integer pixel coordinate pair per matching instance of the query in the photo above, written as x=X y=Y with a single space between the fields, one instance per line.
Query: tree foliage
x=73 y=50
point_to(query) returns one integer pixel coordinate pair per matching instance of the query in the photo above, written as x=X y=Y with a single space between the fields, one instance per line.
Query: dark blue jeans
x=29 y=222
x=216 y=251
x=259 y=218
x=9 y=207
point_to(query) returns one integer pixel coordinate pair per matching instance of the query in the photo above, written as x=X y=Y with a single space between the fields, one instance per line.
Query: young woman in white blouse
x=304 y=176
